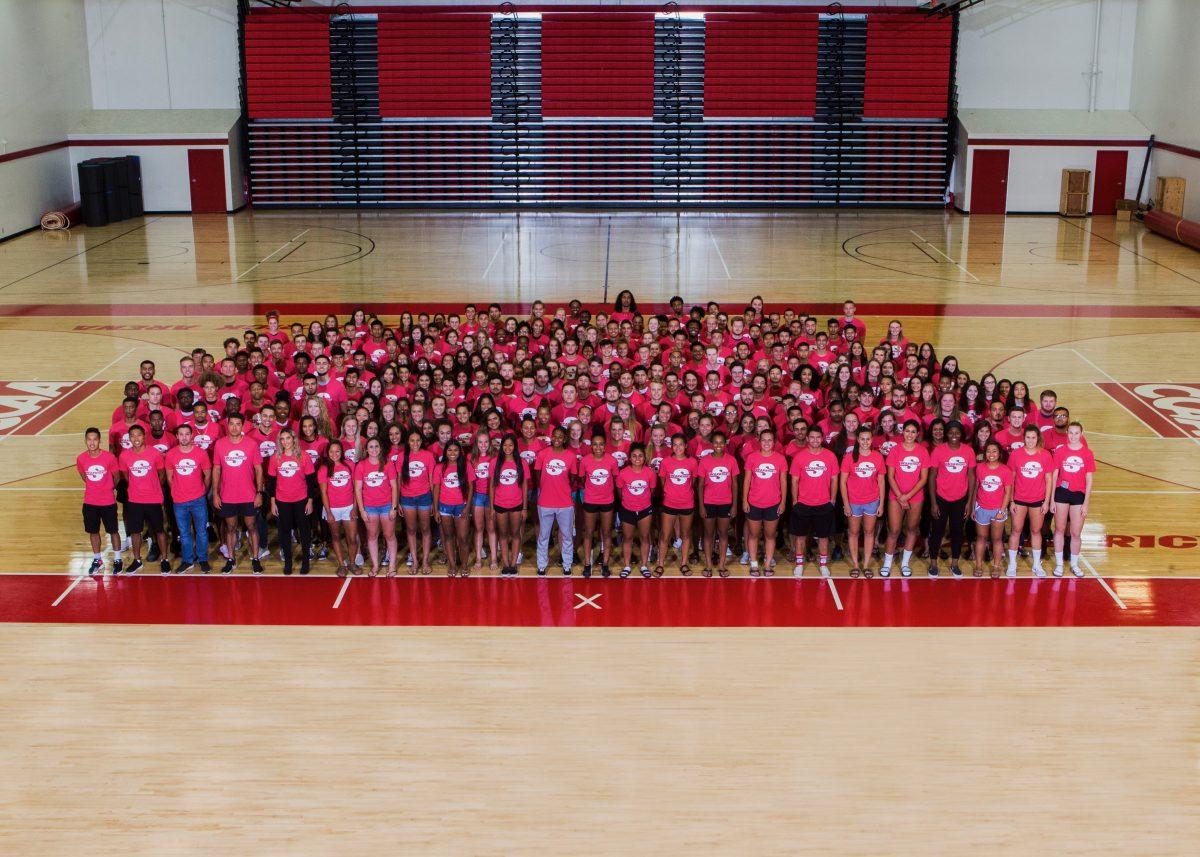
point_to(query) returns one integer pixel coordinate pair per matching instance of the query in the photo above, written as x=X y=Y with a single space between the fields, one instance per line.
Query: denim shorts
x=452 y=510
x=479 y=500
x=379 y=510
x=857 y=510
x=423 y=503
x=983 y=516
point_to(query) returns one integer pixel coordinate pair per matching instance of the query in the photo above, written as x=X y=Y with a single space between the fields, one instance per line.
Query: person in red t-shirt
x=862 y=482
x=510 y=475
x=99 y=470
x=1033 y=492
x=452 y=481
x=717 y=475
x=291 y=481
x=188 y=472
x=678 y=474
x=908 y=471
x=335 y=477
x=951 y=478
x=993 y=494
x=237 y=480
x=480 y=462
x=1074 y=468
x=764 y=493
x=556 y=467
x=814 y=471
x=376 y=494
x=142 y=468
x=598 y=471
x=636 y=484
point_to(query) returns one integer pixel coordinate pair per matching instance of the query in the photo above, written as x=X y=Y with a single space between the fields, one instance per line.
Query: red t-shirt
x=339 y=485
x=953 y=467
x=908 y=465
x=556 y=469
x=510 y=494
x=290 y=472
x=207 y=436
x=862 y=486
x=314 y=449
x=420 y=473
x=678 y=480
x=598 y=478
x=990 y=484
x=376 y=482
x=98 y=475
x=637 y=487
x=1029 y=473
x=816 y=472
x=143 y=470
x=718 y=475
x=1073 y=465
x=188 y=469
x=237 y=462
x=483 y=472
x=763 y=472
x=446 y=475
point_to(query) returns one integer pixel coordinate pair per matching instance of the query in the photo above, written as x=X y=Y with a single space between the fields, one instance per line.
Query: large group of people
x=693 y=433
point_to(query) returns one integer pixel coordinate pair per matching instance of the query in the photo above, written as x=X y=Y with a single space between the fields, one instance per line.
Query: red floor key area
x=917 y=603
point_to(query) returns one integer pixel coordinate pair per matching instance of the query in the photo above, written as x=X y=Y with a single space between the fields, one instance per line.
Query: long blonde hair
x=296 y=450
x=323 y=420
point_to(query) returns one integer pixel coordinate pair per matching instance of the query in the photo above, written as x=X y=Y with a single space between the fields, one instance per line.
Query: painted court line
x=833 y=590
x=495 y=255
x=92 y=377
x=337 y=602
x=67 y=591
x=947 y=258
x=1103 y=582
x=720 y=255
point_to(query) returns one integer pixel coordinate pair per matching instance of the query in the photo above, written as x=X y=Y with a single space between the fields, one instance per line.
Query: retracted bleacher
x=797 y=105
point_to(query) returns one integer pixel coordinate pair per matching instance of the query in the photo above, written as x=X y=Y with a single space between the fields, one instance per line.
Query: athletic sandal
x=854 y=572
x=450 y=572
x=427 y=569
x=373 y=573
x=867 y=571
x=658 y=571
x=645 y=570
x=625 y=572
x=391 y=572
x=995 y=572
x=341 y=571
x=723 y=571
x=707 y=572
x=905 y=571
x=977 y=570
x=754 y=571
x=465 y=571
x=685 y=570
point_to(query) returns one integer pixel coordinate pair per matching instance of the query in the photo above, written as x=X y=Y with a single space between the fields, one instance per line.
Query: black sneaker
x=541 y=572
x=205 y=568
x=134 y=567
x=153 y=555
x=955 y=570
x=304 y=567
x=605 y=571
x=227 y=568
x=287 y=570
x=566 y=571
x=933 y=572
x=117 y=565
x=256 y=566
x=165 y=566
x=95 y=567
x=183 y=567
x=587 y=571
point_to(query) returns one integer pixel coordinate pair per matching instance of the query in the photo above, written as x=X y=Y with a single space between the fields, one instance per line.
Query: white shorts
x=342 y=513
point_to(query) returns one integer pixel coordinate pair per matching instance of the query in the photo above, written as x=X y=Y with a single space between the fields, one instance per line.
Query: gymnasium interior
x=1016 y=181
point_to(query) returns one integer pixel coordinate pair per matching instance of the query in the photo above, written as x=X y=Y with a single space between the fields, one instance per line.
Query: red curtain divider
x=908 y=66
x=760 y=64
x=435 y=64
x=287 y=65
x=598 y=65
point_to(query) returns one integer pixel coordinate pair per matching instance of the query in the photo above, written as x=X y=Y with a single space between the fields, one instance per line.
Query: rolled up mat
x=1184 y=231
x=62 y=218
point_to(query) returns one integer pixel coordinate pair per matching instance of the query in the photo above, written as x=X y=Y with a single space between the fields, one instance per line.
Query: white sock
x=1012 y=559
x=887 y=560
x=906 y=558
x=1037 y=557
x=1058 y=559
x=95 y=556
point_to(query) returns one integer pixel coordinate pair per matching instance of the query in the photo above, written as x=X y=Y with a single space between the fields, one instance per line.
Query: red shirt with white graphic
x=637 y=488
x=862 y=486
x=99 y=473
x=290 y=471
x=953 y=468
x=187 y=473
x=816 y=472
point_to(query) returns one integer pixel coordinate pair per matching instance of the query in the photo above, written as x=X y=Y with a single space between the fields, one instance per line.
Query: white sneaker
x=1011 y=571
x=1038 y=571
x=1058 y=571
x=263 y=553
x=408 y=562
x=824 y=571
x=728 y=551
x=745 y=560
x=358 y=560
x=798 y=571
x=520 y=557
x=1077 y=571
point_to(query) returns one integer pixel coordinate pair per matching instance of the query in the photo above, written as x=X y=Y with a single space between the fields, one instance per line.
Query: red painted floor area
x=669 y=602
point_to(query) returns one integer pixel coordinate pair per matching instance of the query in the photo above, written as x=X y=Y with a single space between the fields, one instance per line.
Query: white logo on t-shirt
x=450 y=480
x=267 y=448
x=599 y=476
x=718 y=475
x=1072 y=464
x=289 y=469
x=815 y=469
x=555 y=466
x=340 y=479
x=508 y=476
x=1031 y=469
x=638 y=487
x=991 y=483
x=140 y=468
x=766 y=470
x=681 y=476
x=910 y=464
x=235 y=458
x=954 y=464
x=483 y=470
x=864 y=469
x=96 y=472
x=185 y=467
x=375 y=478
x=415 y=469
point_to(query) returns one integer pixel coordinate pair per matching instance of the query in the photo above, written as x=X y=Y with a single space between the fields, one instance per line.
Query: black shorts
x=94 y=516
x=718 y=510
x=1029 y=504
x=1065 y=495
x=594 y=508
x=762 y=513
x=667 y=510
x=631 y=518
x=816 y=521
x=138 y=516
x=504 y=510
x=238 y=510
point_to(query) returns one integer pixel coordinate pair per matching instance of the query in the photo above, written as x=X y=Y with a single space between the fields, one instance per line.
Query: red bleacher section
x=287 y=65
x=908 y=66
x=597 y=65
x=435 y=64
x=760 y=64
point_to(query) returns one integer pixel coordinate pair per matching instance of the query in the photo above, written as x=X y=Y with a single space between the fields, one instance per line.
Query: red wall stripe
x=908 y=66
x=597 y=65
x=760 y=64
x=287 y=65
x=1178 y=150
x=435 y=64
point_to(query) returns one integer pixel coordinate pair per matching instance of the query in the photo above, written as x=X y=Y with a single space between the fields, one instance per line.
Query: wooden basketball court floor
x=168 y=716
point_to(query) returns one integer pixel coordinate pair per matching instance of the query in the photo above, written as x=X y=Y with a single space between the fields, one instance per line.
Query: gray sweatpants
x=565 y=519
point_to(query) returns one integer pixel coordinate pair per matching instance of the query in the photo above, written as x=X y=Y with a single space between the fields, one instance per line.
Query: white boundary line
x=833 y=591
x=337 y=602
x=720 y=255
x=67 y=591
x=290 y=242
x=944 y=256
x=492 y=261
x=1103 y=582
x=92 y=377
x=529 y=575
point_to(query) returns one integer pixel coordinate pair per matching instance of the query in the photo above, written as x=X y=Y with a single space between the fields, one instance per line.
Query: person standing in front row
x=99 y=470
x=555 y=503
x=188 y=474
x=814 y=471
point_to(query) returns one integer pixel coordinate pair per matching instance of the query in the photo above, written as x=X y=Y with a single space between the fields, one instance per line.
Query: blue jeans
x=192 y=518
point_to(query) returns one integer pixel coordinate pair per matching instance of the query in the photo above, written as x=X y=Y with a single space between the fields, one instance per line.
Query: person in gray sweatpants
x=556 y=466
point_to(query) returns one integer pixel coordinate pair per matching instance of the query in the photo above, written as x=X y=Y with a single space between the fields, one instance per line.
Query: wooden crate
x=1168 y=194
x=1073 y=197
x=1126 y=209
